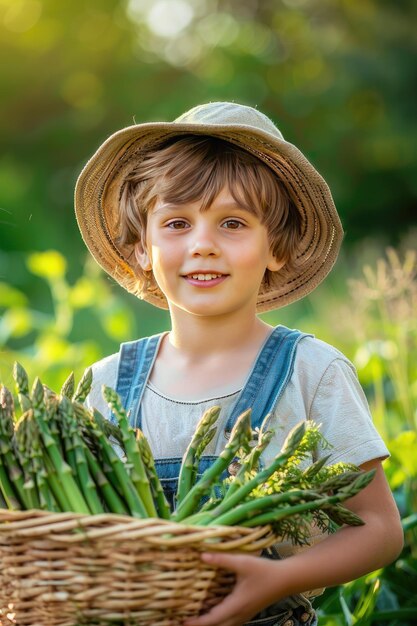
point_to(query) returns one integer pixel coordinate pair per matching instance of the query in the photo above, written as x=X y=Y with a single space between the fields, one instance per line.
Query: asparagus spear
x=113 y=485
x=94 y=432
x=199 y=452
x=88 y=486
x=273 y=516
x=63 y=470
x=34 y=450
x=84 y=386
x=85 y=481
x=24 y=432
x=312 y=470
x=92 y=426
x=67 y=388
x=239 y=438
x=343 y=486
x=290 y=445
x=64 y=431
x=110 y=496
x=162 y=504
x=138 y=472
x=22 y=386
x=249 y=463
x=52 y=418
x=31 y=448
x=257 y=506
x=193 y=453
x=7 y=455
x=56 y=486
x=124 y=482
x=339 y=481
x=341 y=515
x=112 y=431
x=11 y=500
x=265 y=438
x=21 y=378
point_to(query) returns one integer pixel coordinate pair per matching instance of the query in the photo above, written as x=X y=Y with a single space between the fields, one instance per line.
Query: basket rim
x=73 y=528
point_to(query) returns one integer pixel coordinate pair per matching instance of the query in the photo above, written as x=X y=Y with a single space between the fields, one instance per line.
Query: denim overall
x=263 y=388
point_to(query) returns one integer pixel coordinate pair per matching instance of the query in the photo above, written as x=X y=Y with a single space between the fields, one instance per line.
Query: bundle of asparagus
x=58 y=456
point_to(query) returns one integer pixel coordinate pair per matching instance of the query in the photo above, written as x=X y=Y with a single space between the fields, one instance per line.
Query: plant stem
x=137 y=472
x=111 y=497
x=62 y=468
x=162 y=505
x=124 y=482
x=239 y=437
x=288 y=449
x=193 y=452
x=84 y=386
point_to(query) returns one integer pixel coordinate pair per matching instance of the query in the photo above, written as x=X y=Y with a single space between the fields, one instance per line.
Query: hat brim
x=97 y=195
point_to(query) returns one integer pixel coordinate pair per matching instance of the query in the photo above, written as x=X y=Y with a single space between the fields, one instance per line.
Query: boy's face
x=207 y=263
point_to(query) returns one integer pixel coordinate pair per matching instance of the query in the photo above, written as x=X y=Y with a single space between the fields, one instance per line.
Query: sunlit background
x=339 y=77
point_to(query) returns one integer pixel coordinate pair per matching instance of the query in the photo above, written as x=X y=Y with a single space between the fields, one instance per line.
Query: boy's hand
x=256 y=587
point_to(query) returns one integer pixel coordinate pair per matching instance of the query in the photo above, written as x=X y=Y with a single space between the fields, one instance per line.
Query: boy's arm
x=348 y=554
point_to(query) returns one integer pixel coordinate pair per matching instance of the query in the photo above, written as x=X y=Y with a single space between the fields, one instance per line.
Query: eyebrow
x=168 y=207
x=171 y=206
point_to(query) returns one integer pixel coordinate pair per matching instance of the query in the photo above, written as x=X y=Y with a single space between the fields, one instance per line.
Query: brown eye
x=232 y=224
x=177 y=225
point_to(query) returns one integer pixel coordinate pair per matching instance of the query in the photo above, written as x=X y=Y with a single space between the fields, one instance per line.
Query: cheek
x=165 y=259
x=252 y=256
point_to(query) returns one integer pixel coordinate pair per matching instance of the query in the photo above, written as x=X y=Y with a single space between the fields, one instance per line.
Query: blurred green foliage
x=78 y=323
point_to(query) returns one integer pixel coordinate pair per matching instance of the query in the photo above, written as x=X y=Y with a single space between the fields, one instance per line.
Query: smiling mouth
x=204 y=277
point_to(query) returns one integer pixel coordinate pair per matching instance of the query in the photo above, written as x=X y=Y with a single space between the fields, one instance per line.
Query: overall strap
x=269 y=376
x=136 y=359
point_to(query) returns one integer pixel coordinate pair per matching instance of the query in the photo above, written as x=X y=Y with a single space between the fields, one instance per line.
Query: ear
x=142 y=256
x=274 y=264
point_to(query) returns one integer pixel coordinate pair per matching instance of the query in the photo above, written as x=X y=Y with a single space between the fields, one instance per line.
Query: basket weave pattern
x=66 y=569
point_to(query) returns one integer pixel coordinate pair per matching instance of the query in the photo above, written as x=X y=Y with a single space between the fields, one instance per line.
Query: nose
x=203 y=242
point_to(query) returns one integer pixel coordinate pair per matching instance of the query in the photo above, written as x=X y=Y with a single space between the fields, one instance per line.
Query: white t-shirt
x=323 y=387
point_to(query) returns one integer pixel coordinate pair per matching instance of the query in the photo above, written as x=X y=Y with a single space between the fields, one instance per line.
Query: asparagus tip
x=21 y=378
x=67 y=388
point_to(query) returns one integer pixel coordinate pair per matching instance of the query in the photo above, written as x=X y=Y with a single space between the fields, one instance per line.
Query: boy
x=216 y=217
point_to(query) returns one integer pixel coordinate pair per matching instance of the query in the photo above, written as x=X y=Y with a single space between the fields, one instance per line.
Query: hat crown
x=229 y=114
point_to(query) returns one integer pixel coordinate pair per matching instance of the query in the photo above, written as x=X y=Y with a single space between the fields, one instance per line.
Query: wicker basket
x=65 y=569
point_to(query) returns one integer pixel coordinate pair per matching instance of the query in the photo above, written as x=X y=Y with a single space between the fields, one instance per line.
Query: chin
x=203 y=309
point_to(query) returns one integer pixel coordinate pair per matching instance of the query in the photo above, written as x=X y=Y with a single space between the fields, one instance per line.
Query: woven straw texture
x=66 y=569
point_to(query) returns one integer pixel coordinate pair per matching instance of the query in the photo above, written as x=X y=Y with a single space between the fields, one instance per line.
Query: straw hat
x=98 y=190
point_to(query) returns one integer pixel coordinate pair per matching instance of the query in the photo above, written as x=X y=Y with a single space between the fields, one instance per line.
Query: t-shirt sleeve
x=340 y=406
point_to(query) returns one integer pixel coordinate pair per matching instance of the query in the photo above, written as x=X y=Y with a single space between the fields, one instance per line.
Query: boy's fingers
x=228 y=610
x=233 y=562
